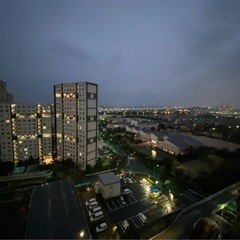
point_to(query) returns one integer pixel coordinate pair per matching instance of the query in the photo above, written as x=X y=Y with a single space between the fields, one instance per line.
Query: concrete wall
x=110 y=191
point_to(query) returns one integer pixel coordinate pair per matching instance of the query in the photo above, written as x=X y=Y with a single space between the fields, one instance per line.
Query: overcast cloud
x=159 y=52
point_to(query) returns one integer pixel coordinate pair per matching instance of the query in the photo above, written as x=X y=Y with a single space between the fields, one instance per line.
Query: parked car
x=142 y=217
x=97 y=216
x=129 y=180
x=92 y=205
x=94 y=210
x=90 y=201
x=125 y=224
x=127 y=191
x=101 y=227
x=122 y=201
x=125 y=181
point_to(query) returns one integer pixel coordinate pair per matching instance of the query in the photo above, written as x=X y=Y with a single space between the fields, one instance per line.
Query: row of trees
x=225 y=174
x=226 y=132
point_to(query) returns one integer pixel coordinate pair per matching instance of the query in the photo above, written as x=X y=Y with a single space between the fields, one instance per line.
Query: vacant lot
x=208 y=164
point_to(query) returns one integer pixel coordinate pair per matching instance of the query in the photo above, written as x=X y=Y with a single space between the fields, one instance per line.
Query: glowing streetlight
x=81 y=234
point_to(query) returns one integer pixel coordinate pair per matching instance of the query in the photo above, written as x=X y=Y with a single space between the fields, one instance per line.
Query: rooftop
x=183 y=141
x=109 y=178
x=55 y=213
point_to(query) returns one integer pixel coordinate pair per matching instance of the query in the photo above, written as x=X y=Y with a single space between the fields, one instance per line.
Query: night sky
x=183 y=53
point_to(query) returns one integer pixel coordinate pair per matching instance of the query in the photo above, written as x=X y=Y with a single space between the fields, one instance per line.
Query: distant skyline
x=140 y=53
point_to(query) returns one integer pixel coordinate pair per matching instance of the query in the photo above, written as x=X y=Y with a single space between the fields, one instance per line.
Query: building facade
x=76 y=108
x=109 y=185
x=5 y=97
x=25 y=131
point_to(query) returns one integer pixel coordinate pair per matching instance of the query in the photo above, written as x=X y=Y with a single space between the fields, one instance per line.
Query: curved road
x=182 y=226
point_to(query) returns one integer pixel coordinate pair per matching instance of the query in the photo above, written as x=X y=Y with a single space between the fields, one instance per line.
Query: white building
x=76 y=106
x=109 y=185
x=145 y=134
x=174 y=143
x=5 y=97
x=133 y=129
x=25 y=130
x=171 y=142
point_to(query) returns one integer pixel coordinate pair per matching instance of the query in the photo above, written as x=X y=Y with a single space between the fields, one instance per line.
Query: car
x=101 y=227
x=127 y=191
x=142 y=217
x=143 y=180
x=92 y=205
x=94 y=210
x=122 y=201
x=90 y=201
x=97 y=216
x=125 y=224
x=129 y=180
x=125 y=181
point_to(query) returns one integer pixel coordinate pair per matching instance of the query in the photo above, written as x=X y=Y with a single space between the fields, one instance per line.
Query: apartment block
x=76 y=122
x=25 y=130
x=5 y=97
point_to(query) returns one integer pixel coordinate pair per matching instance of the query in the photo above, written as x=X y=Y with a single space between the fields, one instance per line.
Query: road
x=182 y=227
x=56 y=213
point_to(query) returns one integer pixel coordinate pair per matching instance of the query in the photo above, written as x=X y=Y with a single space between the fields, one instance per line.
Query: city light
x=81 y=234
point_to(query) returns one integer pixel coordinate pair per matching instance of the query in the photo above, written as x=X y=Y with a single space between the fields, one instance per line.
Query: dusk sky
x=163 y=52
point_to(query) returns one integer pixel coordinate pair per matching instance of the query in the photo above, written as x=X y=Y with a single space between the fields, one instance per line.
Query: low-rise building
x=170 y=142
x=109 y=185
x=177 y=143
x=145 y=133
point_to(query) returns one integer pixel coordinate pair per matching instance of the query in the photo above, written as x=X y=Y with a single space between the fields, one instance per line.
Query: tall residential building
x=5 y=97
x=25 y=130
x=76 y=106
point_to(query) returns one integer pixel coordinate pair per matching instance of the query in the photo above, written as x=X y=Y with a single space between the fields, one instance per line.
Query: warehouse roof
x=183 y=141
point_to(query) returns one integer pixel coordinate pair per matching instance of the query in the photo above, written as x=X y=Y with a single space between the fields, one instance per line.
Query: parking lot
x=116 y=204
x=117 y=210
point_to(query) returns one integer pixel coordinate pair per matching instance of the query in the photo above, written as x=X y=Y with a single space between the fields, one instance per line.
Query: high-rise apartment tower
x=76 y=106
x=5 y=97
x=25 y=131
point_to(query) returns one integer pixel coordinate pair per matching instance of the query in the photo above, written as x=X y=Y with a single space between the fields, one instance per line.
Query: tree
x=69 y=163
x=6 y=168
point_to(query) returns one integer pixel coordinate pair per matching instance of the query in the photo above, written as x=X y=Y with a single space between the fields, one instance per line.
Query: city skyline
x=162 y=53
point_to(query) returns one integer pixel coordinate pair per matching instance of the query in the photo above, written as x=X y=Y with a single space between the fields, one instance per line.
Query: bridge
x=184 y=222
x=26 y=176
